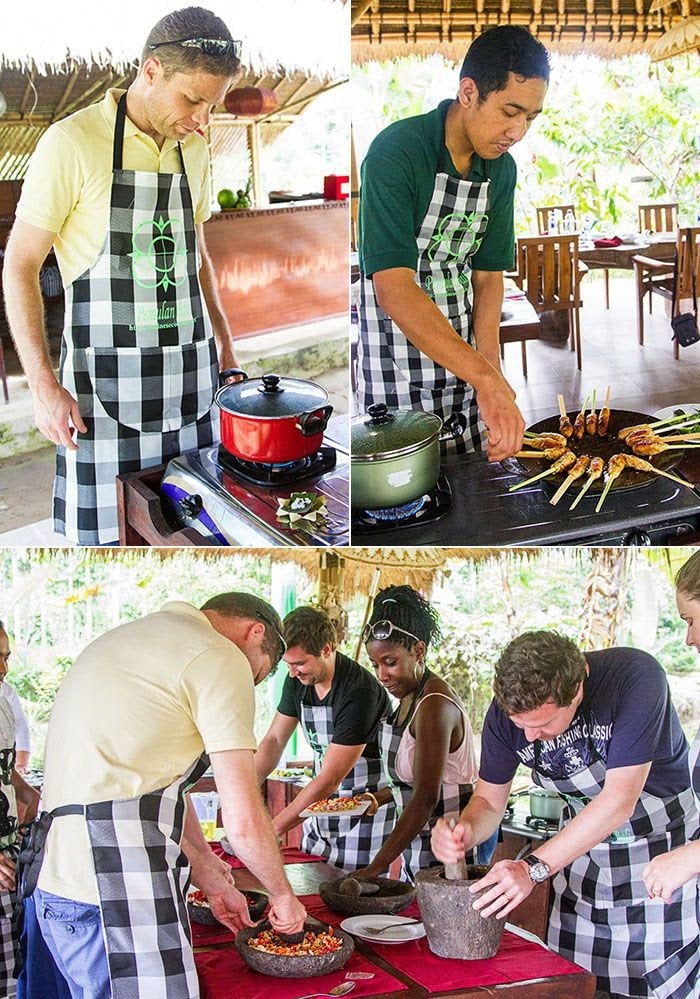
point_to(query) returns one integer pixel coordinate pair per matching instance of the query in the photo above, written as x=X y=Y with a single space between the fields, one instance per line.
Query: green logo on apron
x=156 y=247
x=457 y=236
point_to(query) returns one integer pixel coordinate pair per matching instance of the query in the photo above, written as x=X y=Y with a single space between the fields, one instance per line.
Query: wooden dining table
x=659 y=246
x=224 y=976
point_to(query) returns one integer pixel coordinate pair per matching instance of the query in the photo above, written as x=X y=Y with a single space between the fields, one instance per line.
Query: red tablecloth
x=223 y=974
x=290 y=854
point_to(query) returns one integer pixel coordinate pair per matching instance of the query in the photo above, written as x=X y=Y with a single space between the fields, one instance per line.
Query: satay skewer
x=580 y=421
x=640 y=465
x=604 y=415
x=616 y=465
x=595 y=470
x=654 y=445
x=566 y=461
x=545 y=439
x=575 y=472
x=565 y=424
x=592 y=418
x=660 y=426
x=550 y=453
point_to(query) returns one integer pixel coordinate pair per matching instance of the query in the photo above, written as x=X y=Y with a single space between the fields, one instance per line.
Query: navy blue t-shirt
x=626 y=717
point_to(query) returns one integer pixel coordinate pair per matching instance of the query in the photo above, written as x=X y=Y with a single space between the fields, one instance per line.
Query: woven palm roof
x=387 y=29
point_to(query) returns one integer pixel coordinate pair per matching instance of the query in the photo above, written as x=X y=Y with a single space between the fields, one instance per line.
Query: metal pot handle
x=227 y=372
x=314 y=423
x=454 y=426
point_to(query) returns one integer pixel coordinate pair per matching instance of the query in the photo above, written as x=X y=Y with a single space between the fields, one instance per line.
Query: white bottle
x=569 y=221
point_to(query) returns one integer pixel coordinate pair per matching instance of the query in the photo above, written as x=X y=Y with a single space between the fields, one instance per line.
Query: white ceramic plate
x=691 y=408
x=289 y=774
x=357 y=810
x=409 y=930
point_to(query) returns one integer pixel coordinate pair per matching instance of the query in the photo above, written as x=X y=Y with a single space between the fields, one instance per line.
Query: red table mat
x=224 y=974
x=517 y=960
x=290 y=855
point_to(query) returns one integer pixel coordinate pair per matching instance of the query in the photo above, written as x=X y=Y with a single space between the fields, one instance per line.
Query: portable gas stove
x=424 y=510
x=518 y=822
x=234 y=502
x=484 y=512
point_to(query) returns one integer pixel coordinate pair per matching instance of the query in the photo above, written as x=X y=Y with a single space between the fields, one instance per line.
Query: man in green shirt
x=436 y=234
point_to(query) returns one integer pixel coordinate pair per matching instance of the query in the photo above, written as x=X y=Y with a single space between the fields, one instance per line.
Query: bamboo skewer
x=565 y=424
x=640 y=465
x=549 y=454
x=580 y=421
x=615 y=466
x=595 y=470
x=604 y=415
x=566 y=461
x=576 y=472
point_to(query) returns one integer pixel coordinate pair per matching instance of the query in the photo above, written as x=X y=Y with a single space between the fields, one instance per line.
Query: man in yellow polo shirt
x=128 y=730
x=121 y=191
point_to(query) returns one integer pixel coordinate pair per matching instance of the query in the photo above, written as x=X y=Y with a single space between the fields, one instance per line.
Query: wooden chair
x=658 y=218
x=542 y=224
x=548 y=273
x=543 y=215
x=659 y=277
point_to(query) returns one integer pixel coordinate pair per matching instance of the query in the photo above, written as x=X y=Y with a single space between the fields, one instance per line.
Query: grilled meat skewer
x=604 y=415
x=640 y=465
x=560 y=465
x=616 y=465
x=543 y=440
x=575 y=472
x=580 y=421
x=564 y=422
x=549 y=453
x=595 y=470
x=592 y=418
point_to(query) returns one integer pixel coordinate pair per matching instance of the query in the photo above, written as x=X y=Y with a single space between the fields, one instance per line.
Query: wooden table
x=621 y=257
x=305 y=879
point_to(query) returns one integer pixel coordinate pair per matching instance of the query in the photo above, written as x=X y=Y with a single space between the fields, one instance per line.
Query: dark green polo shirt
x=398 y=177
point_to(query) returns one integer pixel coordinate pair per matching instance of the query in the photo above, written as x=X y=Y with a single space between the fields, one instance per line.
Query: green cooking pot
x=395 y=455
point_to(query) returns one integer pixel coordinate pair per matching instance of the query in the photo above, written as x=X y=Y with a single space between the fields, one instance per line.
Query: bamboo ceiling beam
x=67 y=90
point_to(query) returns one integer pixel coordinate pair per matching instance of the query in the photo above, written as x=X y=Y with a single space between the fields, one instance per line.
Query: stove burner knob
x=190 y=506
x=637 y=539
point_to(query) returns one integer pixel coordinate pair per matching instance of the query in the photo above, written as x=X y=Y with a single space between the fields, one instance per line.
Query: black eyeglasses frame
x=209 y=46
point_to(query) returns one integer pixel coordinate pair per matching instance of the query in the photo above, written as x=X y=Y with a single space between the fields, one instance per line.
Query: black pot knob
x=270 y=384
x=379 y=414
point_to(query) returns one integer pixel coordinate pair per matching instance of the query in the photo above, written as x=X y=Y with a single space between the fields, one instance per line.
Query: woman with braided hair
x=427 y=743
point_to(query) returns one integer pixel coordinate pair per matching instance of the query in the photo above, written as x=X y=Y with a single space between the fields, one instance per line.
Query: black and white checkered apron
x=348 y=842
x=9 y=930
x=390 y=369
x=138 y=351
x=142 y=879
x=679 y=976
x=602 y=917
x=453 y=798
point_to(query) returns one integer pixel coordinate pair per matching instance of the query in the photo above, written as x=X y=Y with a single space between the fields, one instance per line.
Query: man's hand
x=450 y=845
x=56 y=413
x=7 y=873
x=230 y=908
x=502 y=889
x=503 y=419
x=667 y=872
x=287 y=914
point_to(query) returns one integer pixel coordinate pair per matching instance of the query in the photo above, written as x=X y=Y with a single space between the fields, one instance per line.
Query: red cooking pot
x=271 y=419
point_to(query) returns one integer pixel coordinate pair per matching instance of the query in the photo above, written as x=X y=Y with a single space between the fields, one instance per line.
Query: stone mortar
x=306 y=966
x=453 y=927
x=392 y=897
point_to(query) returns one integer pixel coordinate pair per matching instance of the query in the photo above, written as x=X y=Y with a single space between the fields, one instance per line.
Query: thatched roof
x=387 y=29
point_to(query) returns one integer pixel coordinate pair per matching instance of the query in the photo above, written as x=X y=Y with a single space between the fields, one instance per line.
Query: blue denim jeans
x=39 y=975
x=484 y=851
x=72 y=932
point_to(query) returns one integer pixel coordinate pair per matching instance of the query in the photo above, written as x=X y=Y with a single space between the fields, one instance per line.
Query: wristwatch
x=536 y=868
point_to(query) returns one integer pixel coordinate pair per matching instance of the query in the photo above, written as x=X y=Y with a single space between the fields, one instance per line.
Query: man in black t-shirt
x=601 y=731
x=339 y=705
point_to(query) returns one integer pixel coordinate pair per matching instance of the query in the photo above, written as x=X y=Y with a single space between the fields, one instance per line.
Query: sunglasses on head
x=209 y=46
x=381 y=630
x=282 y=645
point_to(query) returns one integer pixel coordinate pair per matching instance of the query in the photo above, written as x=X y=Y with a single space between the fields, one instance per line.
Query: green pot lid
x=390 y=433
x=271 y=397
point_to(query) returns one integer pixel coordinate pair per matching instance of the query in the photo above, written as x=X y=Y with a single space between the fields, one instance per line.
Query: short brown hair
x=190 y=22
x=537 y=667
x=248 y=606
x=688 y=577
x=310 y=628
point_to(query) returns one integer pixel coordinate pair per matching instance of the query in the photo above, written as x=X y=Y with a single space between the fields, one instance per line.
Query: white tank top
x=461 y=764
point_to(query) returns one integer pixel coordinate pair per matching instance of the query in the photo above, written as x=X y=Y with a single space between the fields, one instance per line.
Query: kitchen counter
x=279 y=266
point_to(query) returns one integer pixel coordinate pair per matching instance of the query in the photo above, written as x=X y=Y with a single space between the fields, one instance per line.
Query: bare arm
x=486 y=316
x=27 y=798
x=338 y=761
x=22 y=761
x=435 y=724
x=55 y=410
x=270 y=750
x=249 y=830
x=219 y=321
x=424 y=325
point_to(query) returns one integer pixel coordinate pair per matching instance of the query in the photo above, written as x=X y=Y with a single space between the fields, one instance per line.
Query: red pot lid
x=271 y=397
